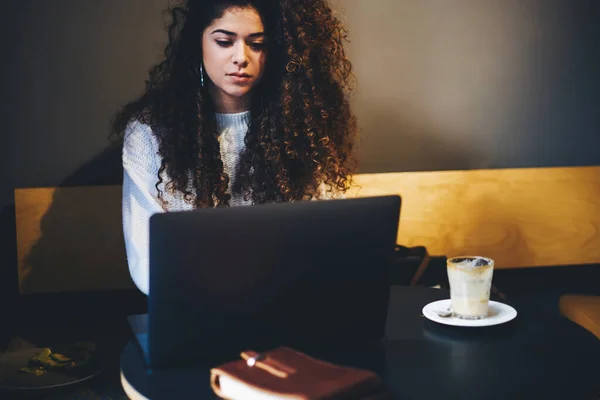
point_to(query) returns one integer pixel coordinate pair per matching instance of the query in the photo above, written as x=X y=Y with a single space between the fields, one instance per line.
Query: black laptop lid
x=298 y=274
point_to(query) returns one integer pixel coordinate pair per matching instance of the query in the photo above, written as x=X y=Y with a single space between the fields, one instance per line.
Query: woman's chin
x=238 y=92
x=232 y=94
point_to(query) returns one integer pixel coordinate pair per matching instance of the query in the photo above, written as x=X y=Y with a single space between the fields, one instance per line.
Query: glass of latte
x=470 y=279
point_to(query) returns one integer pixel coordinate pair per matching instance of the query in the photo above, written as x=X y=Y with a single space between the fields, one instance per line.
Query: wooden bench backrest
x=71 y=238
x=525 y=217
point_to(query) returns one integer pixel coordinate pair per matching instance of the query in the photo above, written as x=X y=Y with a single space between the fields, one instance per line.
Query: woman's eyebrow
x=252 y=35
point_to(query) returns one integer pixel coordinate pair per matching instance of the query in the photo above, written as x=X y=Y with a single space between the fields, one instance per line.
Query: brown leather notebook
x=284 y=373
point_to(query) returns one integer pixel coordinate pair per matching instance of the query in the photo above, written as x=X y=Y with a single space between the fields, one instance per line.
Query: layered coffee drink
x=470 y=281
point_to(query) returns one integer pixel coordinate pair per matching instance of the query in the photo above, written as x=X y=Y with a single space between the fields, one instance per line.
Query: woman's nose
x=240 y=55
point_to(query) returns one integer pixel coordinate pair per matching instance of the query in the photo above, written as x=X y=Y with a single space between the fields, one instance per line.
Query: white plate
x=498 y=313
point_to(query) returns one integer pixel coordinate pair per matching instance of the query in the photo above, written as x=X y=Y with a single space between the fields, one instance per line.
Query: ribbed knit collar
x=236 y=121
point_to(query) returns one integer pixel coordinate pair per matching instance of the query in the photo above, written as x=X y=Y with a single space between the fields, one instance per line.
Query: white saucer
x=498 y=313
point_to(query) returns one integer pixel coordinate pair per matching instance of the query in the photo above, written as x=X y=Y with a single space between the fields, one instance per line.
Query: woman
x=249 y=106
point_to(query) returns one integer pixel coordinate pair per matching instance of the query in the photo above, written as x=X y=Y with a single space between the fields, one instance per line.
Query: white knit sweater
x=141 y=163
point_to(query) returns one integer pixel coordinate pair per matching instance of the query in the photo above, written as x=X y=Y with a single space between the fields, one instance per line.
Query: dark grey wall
x=71 y=64
x=461 y=84
x=443 y=84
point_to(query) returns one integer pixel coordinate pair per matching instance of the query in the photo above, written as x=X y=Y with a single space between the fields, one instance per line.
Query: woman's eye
x=224 y=43
x=257 y=45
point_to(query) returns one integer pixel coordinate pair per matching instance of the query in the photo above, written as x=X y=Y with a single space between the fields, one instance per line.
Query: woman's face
x=234 y=57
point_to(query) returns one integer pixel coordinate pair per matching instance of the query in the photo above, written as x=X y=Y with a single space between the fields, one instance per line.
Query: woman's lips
x=240 y=78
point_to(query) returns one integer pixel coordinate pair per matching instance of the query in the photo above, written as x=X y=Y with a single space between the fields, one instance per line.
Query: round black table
x=536 y=356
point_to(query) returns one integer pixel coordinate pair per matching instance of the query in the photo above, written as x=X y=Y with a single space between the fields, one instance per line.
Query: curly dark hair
x=302 y=130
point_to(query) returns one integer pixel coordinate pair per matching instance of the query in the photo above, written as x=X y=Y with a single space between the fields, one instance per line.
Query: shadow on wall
x=411 y=143
x=80 y=244
x=8 y=265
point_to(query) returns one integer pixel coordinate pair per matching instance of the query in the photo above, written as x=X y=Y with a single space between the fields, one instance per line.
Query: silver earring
x=201 y=75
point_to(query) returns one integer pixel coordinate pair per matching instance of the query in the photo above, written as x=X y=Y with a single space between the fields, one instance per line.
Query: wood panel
x=70 y=239
x=584 y=310
x=519 y=217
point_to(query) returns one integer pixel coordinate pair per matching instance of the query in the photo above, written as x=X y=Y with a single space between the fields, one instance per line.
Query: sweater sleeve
x=140 y=198
x=326 y=195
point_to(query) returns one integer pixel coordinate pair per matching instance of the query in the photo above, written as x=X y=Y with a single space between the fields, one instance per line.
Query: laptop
x=310 y=275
